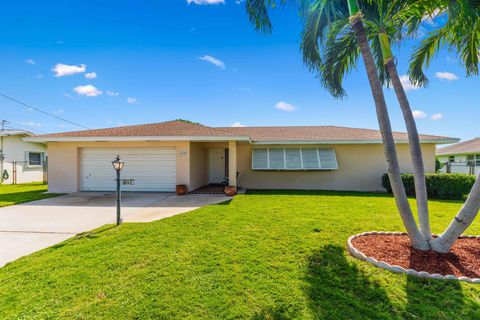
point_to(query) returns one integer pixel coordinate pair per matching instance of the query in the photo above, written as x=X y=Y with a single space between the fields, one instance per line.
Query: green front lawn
x=20 y=193
x=265 y=255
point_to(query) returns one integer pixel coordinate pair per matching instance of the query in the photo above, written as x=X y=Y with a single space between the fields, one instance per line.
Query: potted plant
x=230 y=190
x=181 y=189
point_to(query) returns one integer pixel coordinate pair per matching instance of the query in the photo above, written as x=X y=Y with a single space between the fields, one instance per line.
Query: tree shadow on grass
x=337 y=289
x=280 y=312
x=438 y=299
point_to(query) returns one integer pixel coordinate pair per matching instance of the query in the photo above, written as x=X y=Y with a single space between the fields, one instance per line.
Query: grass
x=20 y=193
x=264 y=255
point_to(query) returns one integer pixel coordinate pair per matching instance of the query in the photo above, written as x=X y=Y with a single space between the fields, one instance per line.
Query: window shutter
x=276 y=158
x=327 y=159
x=260 y=159
x=293 y=159
x=310 y=158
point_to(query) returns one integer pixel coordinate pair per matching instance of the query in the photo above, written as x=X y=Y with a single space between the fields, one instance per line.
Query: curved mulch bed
x=393 y=251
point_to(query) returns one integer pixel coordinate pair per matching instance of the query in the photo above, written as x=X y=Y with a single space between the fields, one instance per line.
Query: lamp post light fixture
x=118 y=166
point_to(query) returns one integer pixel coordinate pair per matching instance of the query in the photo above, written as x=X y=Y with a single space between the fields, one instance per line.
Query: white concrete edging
x=394 y=268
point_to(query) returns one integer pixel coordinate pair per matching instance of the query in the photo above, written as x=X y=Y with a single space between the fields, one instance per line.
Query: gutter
x=330 y=142
x=137 y=138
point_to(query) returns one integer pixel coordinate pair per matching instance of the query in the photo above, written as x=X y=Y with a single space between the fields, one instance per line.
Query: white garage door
x=152 y=169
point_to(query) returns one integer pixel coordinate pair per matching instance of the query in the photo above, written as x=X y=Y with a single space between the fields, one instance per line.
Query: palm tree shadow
x=437 y=299
x=279 y=312
x=337 y=289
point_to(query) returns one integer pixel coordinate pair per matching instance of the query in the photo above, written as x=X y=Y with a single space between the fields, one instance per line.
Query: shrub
x=453 y=186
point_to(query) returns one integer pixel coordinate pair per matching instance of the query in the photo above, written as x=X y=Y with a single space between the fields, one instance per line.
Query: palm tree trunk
x=415 y=151
x=461 y=222
x=398 y=189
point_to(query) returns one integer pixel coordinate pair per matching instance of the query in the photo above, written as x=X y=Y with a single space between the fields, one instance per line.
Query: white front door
x=153 y=169
x=216 y=165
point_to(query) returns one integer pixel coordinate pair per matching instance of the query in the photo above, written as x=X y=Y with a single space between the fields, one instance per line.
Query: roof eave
x=423 y=141
x=137 y=138
x=16 y=133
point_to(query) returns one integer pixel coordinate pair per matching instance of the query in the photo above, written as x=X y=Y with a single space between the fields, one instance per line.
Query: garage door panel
x=152 y=169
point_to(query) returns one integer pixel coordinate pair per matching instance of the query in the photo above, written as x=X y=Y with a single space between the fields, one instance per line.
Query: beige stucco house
x=160 y=156
x=20 y=160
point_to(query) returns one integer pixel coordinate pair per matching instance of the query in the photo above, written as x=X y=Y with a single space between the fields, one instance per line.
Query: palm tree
x=330 y=17
x=383 y=27
x=460 y=33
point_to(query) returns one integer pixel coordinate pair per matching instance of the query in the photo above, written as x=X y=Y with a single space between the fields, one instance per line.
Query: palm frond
x=258 y=11
x=340 y=57
x=423 y=55
x=318 y=20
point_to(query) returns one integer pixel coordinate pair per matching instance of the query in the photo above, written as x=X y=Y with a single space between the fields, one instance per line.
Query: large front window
x=308 y=158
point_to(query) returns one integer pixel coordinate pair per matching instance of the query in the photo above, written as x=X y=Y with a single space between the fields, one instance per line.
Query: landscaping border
x=397 y=269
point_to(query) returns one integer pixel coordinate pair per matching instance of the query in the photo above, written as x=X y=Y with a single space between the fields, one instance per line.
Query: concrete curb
x=394 y=268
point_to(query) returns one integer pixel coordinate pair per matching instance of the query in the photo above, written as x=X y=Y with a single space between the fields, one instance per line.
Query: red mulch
x=462 y=260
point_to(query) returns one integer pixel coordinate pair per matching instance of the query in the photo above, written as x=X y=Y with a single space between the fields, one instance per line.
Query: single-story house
x=160 y=156
x=21 y=161
x=463 y=157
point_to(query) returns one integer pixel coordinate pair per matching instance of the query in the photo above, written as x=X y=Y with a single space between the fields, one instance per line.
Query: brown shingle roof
x=263 y=134
x=168 y=128
x=465 y=147
x=319 y=133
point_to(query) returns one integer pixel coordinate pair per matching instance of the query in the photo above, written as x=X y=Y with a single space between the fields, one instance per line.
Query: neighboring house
x=162 y=155
x=22 y=161
x=463 y=157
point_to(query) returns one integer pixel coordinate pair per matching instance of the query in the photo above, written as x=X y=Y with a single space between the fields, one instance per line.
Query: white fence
x=460 y=167
x=19 y=172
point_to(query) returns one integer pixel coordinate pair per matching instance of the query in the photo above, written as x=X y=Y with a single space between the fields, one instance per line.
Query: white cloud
x=419 y=114
x=88 y=90
x=437 y=116
x=68 y=95
x=30 y=61
x=113 y=93
x=205 y=2
x=131 y=100
x=446 y=76
x=91 y=75
x=62 y=70
x=407 y=85
x=31 y=124
x=237 y=125
x=214 y=61
x=284 y=106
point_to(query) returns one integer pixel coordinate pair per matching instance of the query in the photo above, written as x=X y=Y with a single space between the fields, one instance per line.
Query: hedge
x=453 y=186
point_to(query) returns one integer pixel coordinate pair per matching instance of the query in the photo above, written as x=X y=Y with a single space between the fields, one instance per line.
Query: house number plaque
x=130 y=182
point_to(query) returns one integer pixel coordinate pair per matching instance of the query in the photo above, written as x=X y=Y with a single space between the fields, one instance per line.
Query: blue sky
x=162 y=60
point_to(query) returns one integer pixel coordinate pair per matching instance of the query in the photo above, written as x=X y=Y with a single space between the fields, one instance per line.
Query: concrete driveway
x=32 y=226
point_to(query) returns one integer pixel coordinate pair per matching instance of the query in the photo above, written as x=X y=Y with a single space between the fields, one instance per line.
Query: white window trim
x=42 y=159
x=301 y=160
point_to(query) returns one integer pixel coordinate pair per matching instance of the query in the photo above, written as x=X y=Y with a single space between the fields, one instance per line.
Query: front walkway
x=32 y=226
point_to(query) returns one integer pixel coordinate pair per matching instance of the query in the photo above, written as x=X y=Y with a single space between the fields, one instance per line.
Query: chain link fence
x=17 y=172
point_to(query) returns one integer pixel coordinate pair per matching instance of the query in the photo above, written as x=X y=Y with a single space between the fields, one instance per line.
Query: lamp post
x=118 y=166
